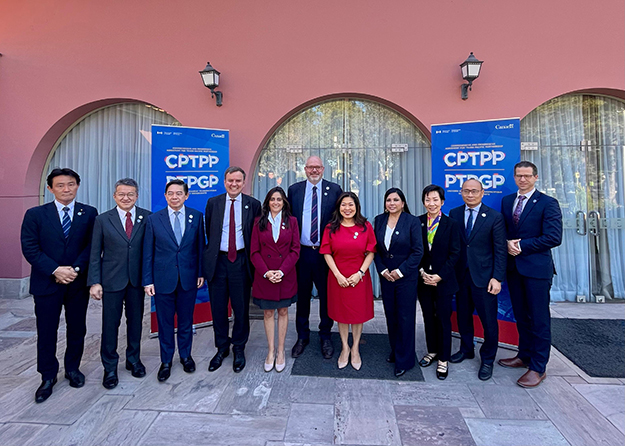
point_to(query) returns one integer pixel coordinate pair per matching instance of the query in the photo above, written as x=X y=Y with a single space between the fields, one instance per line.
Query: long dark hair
x=337 y=218
x=265 y=211
x=402 y=197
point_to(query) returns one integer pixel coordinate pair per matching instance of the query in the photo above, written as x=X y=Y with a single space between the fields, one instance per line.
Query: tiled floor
x=253 y=407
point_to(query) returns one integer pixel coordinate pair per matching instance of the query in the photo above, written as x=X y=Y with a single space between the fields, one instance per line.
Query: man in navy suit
x=481 y=269
x=312 y=202
x=56 y=241
x=115 y=278
x=227 y=267
x=172 y=272
x=533 y=226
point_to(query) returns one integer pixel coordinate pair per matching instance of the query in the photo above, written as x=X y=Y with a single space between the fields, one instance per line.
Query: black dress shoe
x=218 y=359
x=188 y=364
x=460 y=356
x=164 y=372
x=76 y=378
x=239 y=361
x=110 y=379
x=399 y=372
x=327 y=350
x=486 y=372
x=137 y=369
x=299 y=347
x=391 y=358
x=45 y=390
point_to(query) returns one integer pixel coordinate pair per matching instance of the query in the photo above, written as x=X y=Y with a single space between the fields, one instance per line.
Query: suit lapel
x=399 y=228
x=189 y=223
x=79 y=215
x=140 y=215
x=325 y=204
x=529 y=206
x=381 y=231
x=117 y=223
x=164 y=218
x=53 y=216
x=480 y=217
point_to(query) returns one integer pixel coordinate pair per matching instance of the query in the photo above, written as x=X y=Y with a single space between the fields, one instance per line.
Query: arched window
x=578 y=145
x=111 y=143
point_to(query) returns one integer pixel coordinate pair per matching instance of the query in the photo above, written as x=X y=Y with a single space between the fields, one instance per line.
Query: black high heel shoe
x=428 y=359
x=442 y=370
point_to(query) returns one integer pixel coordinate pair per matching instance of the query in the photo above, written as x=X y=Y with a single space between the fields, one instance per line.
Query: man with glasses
x=481 y=269
x=115 y=278
x=533 y=226
x=312 y=201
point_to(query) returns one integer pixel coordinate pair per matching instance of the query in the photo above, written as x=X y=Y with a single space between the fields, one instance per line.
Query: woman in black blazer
x=437 y=282
x=398 y=252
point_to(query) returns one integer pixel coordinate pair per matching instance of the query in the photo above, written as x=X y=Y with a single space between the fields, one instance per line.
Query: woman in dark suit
x=274 y=252
x=398 y=252
x=437 y=282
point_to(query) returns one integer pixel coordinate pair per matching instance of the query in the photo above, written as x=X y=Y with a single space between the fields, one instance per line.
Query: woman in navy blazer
x=437 y=282
x=274 y=251
x=398 y=252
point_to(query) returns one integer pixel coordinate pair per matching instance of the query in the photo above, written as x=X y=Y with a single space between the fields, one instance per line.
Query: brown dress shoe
x=512 y=363
x=531 y=379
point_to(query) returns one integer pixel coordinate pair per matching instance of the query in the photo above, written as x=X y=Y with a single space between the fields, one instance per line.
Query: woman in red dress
x=348 y=246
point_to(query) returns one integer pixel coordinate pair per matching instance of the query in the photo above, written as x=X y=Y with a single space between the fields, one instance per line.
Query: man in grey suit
x=115 y=277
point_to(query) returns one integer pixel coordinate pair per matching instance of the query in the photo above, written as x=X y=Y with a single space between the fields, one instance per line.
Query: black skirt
x=265 y=304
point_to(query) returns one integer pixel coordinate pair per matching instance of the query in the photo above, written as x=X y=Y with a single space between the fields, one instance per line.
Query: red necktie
x=128 y=224
x=232 y=238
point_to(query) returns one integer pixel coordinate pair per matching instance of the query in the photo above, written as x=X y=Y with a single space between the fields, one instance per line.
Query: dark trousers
x=437 y=320
x=180 y=303
x=312 y=268
x=131 y=298
x=48 y=308
x=530 y=303
x=471 y=297
x=230 y=283
x=400 y=308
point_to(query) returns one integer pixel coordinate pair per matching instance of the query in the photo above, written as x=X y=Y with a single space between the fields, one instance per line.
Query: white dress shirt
x=238 y=229
x=133 y=214
x=305 y=238
x=527 y=198
x=61 y=212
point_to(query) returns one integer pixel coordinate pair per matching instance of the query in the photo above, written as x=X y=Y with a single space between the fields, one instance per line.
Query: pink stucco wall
x=59 y=56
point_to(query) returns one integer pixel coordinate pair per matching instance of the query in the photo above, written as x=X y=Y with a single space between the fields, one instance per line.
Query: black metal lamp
x=210 y=77
x=470 y=71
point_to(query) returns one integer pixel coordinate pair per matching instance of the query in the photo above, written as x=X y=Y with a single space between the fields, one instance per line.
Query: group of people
x=274 y=252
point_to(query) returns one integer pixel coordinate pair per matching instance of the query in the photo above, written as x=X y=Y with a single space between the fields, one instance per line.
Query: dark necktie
x=232 y=238
x=314 y=225
x=518 y=210
x=67 y=222
x=470 y=223
x=128 y=224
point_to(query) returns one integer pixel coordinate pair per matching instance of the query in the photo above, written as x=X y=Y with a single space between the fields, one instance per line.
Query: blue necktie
x=469 y=223
x=67 y=222
x=314 y=225
x=177 y=227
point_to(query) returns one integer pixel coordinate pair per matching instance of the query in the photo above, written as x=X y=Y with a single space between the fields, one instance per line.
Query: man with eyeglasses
x=533 y=227
x=312 y=201
x=480 y=270
x=115 y=278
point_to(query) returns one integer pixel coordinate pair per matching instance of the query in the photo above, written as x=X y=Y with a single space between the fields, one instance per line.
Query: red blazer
x=268 y=255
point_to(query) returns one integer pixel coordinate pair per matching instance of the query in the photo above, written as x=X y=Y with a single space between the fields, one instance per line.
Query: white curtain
x=111 y=143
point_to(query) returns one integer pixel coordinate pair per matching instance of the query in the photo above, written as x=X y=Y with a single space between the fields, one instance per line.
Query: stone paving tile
x=432 y=426
x=488 y=432
x=18 y=433
x=310 y=423
x=17 y=393
x=28 y=324
x=447 y=395
x=499 y=402
x=607 y=399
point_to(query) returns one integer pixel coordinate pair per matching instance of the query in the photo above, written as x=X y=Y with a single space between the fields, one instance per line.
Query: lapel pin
x=422 y=224
x=483 y=215
x=190 y=216
x=140 y=217
x=396 y=232
x=355 y=235
x=246 y=206
x=79 y=213
x=327 y=187
x=535 y=200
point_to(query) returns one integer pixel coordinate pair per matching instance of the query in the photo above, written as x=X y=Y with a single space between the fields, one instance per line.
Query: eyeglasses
x=471 y=191
x=177 y=193
x=524 y=177
x=314 y=167
x=129 y=195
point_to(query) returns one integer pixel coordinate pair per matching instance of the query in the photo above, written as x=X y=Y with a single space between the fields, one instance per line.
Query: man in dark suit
x=481 y=269
x=313 y=202
x=56 y=241
x=115 y=278
x=227 y=267
x=172 y=273
x=533 y=226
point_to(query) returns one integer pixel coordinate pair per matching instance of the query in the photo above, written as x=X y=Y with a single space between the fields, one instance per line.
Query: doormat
x=597 y=346
x=374 y=349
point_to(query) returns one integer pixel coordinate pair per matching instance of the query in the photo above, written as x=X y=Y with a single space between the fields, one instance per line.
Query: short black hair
x=64 y=171
x=179 y=183
x=526 y=164
x=433 y=188
x=127 y=182
x=233 y=169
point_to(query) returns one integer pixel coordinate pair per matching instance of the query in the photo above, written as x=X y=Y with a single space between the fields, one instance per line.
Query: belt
x=311 y=247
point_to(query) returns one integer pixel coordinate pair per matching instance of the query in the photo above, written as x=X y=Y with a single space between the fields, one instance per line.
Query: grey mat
x=374 y=349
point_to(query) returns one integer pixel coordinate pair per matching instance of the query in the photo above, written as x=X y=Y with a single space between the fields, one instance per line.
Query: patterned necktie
x=67 y=222
x=129 y=224
x=470 y=222
x=518 y=210
x=314 y=225
x=177 y=227
x=232 y=238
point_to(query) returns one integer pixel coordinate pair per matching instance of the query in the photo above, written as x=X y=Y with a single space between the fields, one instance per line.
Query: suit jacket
x=214 y=219
x=539 y=228
x=330 y=194
x=45 y=247
x=444 y=255
x=406 y=247
x=269 y=255
x=486 y=249
x=164 y=261
x=115 y=259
